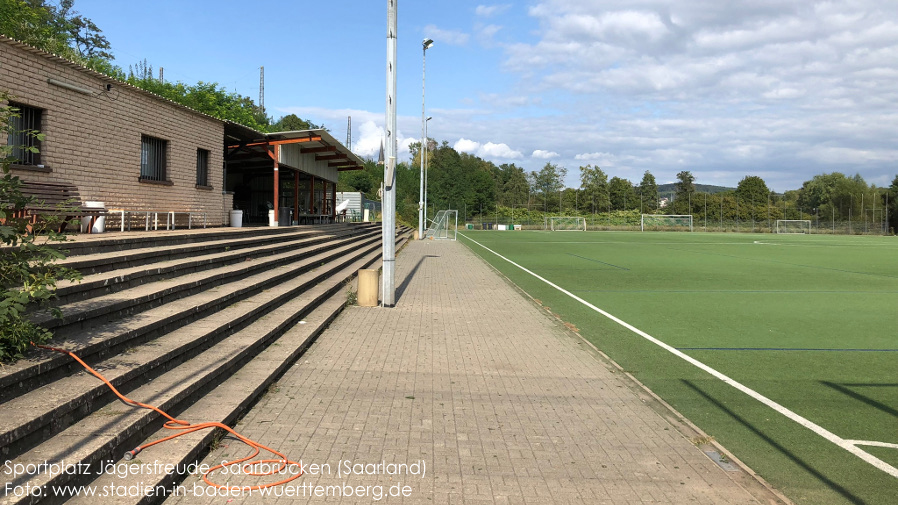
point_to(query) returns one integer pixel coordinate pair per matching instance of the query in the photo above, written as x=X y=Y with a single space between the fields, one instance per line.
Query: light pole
x=426 y=166
x=388 y=293
x=426 y=44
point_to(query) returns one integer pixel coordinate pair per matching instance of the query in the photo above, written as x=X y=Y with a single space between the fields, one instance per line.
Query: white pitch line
x=848 y=445
x=873 y=443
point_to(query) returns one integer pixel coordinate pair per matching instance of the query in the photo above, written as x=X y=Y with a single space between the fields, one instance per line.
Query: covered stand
x=285 y=178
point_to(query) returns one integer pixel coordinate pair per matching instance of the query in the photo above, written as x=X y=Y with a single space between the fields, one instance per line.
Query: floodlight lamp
x=427 y=43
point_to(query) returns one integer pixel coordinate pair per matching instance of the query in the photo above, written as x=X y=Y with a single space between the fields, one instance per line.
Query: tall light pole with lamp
x=426 y=166
x=426 y=44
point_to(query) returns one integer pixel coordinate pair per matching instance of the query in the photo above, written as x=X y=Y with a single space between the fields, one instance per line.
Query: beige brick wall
x=94 y=141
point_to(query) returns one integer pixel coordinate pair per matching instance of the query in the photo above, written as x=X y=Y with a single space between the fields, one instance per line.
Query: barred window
x=21 y=134
x=202 y=167
x=152 y=158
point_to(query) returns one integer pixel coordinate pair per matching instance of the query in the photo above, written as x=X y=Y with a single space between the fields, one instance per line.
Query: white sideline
x=849 y=445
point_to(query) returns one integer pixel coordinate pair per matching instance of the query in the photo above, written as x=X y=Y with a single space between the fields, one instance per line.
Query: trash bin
x=99 y=224
x=285 y=216
x=470 y=226
x=236 y=218
x=271 y=218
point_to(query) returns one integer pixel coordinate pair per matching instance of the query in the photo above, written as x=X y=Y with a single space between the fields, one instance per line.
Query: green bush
x=28 y=269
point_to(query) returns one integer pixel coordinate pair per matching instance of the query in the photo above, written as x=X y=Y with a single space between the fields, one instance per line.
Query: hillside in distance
x=666 y=189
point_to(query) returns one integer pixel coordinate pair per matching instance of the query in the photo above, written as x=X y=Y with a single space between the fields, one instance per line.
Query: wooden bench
x=54 y=199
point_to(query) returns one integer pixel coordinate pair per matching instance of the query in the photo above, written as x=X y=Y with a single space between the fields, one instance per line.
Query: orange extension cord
x=186 y=427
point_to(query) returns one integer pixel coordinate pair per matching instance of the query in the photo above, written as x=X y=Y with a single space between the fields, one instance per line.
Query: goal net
x=666 y=222
x=566 y=223
x=444 y=225
x=793 y=226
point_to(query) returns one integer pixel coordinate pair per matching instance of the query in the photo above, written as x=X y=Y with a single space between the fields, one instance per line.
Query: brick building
x=137 y=151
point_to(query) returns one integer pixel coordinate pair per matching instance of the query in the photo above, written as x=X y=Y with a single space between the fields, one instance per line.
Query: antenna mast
x=262 y=89
x=349 y=132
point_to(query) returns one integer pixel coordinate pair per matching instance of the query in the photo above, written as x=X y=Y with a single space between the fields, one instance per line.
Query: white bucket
x=236 y=218
x=99 y=224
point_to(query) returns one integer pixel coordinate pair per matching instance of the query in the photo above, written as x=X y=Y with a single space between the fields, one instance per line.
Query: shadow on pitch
x=776 y=445
x=844 y=389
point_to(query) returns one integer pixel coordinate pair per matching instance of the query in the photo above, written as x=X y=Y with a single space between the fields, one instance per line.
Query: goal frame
x=678 y=216
x=781 y=231
x=580 y=223
x=444 y=224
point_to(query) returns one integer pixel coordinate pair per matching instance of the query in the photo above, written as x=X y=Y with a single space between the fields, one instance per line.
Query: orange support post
x=334 y=201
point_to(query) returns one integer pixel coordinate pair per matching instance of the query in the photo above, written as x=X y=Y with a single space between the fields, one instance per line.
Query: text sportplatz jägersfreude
x=343 y=469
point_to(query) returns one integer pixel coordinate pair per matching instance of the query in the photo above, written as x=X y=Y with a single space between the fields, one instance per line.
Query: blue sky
x=779 y=89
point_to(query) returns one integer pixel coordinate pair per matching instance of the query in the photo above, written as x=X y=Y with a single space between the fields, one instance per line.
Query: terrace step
x=116 y=336
x=87 y=313
x=43 y=410
x=133 y=267
x=115 y=242
x=220 y=381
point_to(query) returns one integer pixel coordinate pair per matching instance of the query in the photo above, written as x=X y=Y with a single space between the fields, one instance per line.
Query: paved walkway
x=476 y=396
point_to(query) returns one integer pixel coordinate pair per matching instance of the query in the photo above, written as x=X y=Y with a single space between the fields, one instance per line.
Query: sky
x=780 y=89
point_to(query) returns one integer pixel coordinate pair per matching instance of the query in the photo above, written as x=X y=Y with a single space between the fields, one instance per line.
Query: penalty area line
x=849 y=445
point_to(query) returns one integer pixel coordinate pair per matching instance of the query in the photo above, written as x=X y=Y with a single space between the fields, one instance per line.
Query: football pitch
x=784 y=348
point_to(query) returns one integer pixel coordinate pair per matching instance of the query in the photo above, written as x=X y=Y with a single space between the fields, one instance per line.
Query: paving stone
x=494 y=398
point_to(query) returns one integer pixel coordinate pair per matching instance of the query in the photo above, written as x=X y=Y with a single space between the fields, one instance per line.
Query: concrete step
x=90 y=258
x=43 y=367
x=172 y=262
x=218 y=383
x=110 y=242
x=84 y=314
x=45 y=410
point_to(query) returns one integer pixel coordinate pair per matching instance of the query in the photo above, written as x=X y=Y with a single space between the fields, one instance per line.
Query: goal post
x=566 y=223
x=793 y=226
x=444 y=226
x=665 y=222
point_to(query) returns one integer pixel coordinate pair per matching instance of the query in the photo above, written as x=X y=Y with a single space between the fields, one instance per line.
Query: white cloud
x=544 y=155
x=369 y=141
x=466 y=146
x=491 y=150
x=723 y=89
x=449 y=37
x=486 y=11
x=486 y=33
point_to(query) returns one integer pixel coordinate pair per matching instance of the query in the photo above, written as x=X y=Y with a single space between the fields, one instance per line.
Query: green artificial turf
x=807 y=321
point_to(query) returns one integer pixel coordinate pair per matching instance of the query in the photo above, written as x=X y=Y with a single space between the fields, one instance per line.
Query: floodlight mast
x=426 y=44
x=426 y=163
x=388 y=298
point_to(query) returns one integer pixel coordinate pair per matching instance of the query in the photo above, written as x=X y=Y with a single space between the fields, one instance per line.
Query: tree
x=833 y=194
x=594 y=184
x=57 y=29
x=752 y=188
x=28 y=270
x=648 y=192
x=622 y=194
x=891 y=204
x=514 y=186
x=548 y=182
x=752 y=193
x=206 y=97
x=685 y=187
x=292 y=122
